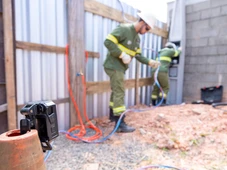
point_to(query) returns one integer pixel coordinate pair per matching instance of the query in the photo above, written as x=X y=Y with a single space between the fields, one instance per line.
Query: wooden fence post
x=9 y=63
x=76 y=53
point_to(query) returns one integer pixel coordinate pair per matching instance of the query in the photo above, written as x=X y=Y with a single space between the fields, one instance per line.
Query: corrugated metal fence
x=41 y=75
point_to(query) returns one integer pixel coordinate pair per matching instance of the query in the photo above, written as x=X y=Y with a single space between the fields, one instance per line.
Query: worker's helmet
x=171 y=45
x=148 y=18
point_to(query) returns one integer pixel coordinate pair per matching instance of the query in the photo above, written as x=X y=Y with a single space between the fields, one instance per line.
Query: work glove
x=125 y=58
x=179 y=48
x=154 y=64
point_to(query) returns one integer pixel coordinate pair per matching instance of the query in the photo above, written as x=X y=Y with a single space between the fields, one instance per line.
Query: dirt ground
x=187 y=136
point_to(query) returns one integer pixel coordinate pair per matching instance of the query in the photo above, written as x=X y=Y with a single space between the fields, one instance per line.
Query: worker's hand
x=125 y=58
x=154 y=64
x=179 y=48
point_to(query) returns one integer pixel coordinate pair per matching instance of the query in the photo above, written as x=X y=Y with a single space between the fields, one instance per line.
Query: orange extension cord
x=82 y=128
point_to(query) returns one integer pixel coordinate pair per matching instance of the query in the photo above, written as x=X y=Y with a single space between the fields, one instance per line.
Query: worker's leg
x=164 y=83
x=155 y=91
x=118 y=93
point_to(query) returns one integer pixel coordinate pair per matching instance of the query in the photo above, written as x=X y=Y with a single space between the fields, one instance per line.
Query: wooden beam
x=104 y=86
x=3 y=108
x=39 y=47
x=116 y=15
x=98 y=8
x=57 y=101
x=48 y=48
x=76 y=54
x=159 y=31
x=9 y=63
x=137 y=98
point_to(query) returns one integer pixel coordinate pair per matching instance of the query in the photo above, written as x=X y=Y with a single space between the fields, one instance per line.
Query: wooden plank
x=3 y=108
x=98 y=8
x=48 y=48
x=114 y=14
x=39 y=47
x=145 y=82
x=104 y=86
x=57 y=101
x=159 y=31
x=93 y=54
x=137 y=98
x=9 y=63
x=76 y=54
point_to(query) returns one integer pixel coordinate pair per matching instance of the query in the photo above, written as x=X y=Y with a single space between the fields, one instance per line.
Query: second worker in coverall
x=123 y=43
x=165 y=56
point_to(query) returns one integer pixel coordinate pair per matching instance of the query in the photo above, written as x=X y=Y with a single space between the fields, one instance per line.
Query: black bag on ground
x=211 y=95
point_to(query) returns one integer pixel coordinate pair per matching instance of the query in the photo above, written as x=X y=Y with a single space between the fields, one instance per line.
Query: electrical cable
x=158 y=166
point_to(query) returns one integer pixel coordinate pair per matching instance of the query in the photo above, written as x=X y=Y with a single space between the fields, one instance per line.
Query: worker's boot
x=164 y=102
x=111 y=115
x=123 y=127
x=153 y=102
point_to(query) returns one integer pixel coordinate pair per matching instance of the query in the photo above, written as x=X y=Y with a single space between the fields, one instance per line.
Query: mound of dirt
x=186 y=136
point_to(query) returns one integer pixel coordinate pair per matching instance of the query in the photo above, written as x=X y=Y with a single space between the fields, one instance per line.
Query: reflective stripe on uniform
x=176 y=53
x=111 y=104
x=126 y=50
x=138 y=51
x=121 y=47
x=112 y=38
x=119 y=109
x=154 y=96
x=160 y=95
x=164 y=58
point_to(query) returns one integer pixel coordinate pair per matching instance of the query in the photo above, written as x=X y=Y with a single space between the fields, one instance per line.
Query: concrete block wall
x=206 y=48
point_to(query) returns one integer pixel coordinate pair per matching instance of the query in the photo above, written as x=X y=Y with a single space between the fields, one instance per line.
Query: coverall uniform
x=166 y=55
x=124 y=38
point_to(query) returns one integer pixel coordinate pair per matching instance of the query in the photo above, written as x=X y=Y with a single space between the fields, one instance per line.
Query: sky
x=157 y=7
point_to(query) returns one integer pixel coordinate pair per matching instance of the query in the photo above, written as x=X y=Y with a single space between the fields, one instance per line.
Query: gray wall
x=206 y=48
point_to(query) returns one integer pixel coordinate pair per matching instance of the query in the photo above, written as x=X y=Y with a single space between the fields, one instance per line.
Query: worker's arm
x=177 y=52
x=144 y=60
x=112 y=40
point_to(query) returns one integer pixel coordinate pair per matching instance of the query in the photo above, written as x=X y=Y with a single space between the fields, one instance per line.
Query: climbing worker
x=123 y=43
x=165 y=55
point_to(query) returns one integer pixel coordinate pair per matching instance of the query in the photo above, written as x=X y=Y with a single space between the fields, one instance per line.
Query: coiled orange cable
x=82 y=128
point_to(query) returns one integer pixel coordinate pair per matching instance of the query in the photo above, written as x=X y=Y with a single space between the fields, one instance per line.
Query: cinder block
x=193 y=16
x=211 y=69
x=192 y=51
x=222 y=40
x=218 y=21
x=201 y=6
x=210 y=79
x=216 y=3
x=201 y=68
x=213 y=50
x=223 y=30
x=188 y=51
x=214 y=59
x=194 y=60
x=188 y=43
x=187 y=59
x=221 y=68
x=200 y=42
x=189 y=9
x=224 y=10
x=190 y=68
x=208 y=32
x=222 y=50
x=201 y=24
x=206 y=14
x=216 y=12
